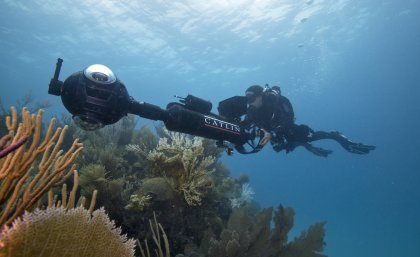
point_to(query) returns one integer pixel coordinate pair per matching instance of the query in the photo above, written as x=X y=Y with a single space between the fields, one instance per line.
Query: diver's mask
x=95 y=97
x=250 y=98
x=253 y=112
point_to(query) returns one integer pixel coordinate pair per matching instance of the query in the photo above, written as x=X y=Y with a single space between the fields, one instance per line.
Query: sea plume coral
x=180 y=159
x=60 y=232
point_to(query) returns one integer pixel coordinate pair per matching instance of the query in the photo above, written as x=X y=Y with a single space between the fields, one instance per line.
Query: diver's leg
x=357 y=148
x=280 y=144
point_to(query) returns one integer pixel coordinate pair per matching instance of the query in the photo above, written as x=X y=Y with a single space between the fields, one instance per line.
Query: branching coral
x=180 y=159
x=69 y=201
x=22 y=183
x=156 y=229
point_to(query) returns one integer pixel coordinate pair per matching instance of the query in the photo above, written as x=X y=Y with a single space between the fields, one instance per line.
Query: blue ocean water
x=347 y=65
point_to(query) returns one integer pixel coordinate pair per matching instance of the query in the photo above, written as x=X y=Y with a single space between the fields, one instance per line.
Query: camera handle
x=177 y=117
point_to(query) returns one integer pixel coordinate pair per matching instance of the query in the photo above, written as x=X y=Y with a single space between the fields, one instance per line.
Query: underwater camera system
x=96 y=97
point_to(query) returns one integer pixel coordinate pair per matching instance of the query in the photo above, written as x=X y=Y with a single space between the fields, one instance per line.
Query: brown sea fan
x=64 y=233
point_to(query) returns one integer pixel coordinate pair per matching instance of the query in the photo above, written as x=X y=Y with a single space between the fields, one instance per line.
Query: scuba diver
x=273 y=113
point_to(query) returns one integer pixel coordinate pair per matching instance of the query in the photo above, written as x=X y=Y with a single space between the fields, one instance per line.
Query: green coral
x=152 y=189
x=92 y=176
x=95 y=177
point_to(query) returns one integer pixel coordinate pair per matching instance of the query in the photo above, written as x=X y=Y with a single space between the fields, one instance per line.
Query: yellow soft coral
x=180 y=159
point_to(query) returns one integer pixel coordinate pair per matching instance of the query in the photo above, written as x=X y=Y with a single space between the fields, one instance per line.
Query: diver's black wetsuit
x=276 y=116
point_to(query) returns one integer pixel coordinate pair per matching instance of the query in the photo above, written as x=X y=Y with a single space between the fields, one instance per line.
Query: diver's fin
x=357 y=148
x=317 y=150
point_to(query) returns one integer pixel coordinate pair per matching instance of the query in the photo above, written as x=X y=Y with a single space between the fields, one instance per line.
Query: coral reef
x=226 y=222
x=180 y=179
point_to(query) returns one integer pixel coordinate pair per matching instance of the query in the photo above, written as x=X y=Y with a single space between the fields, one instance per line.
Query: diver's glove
x=357 y=148
x=265 y=137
